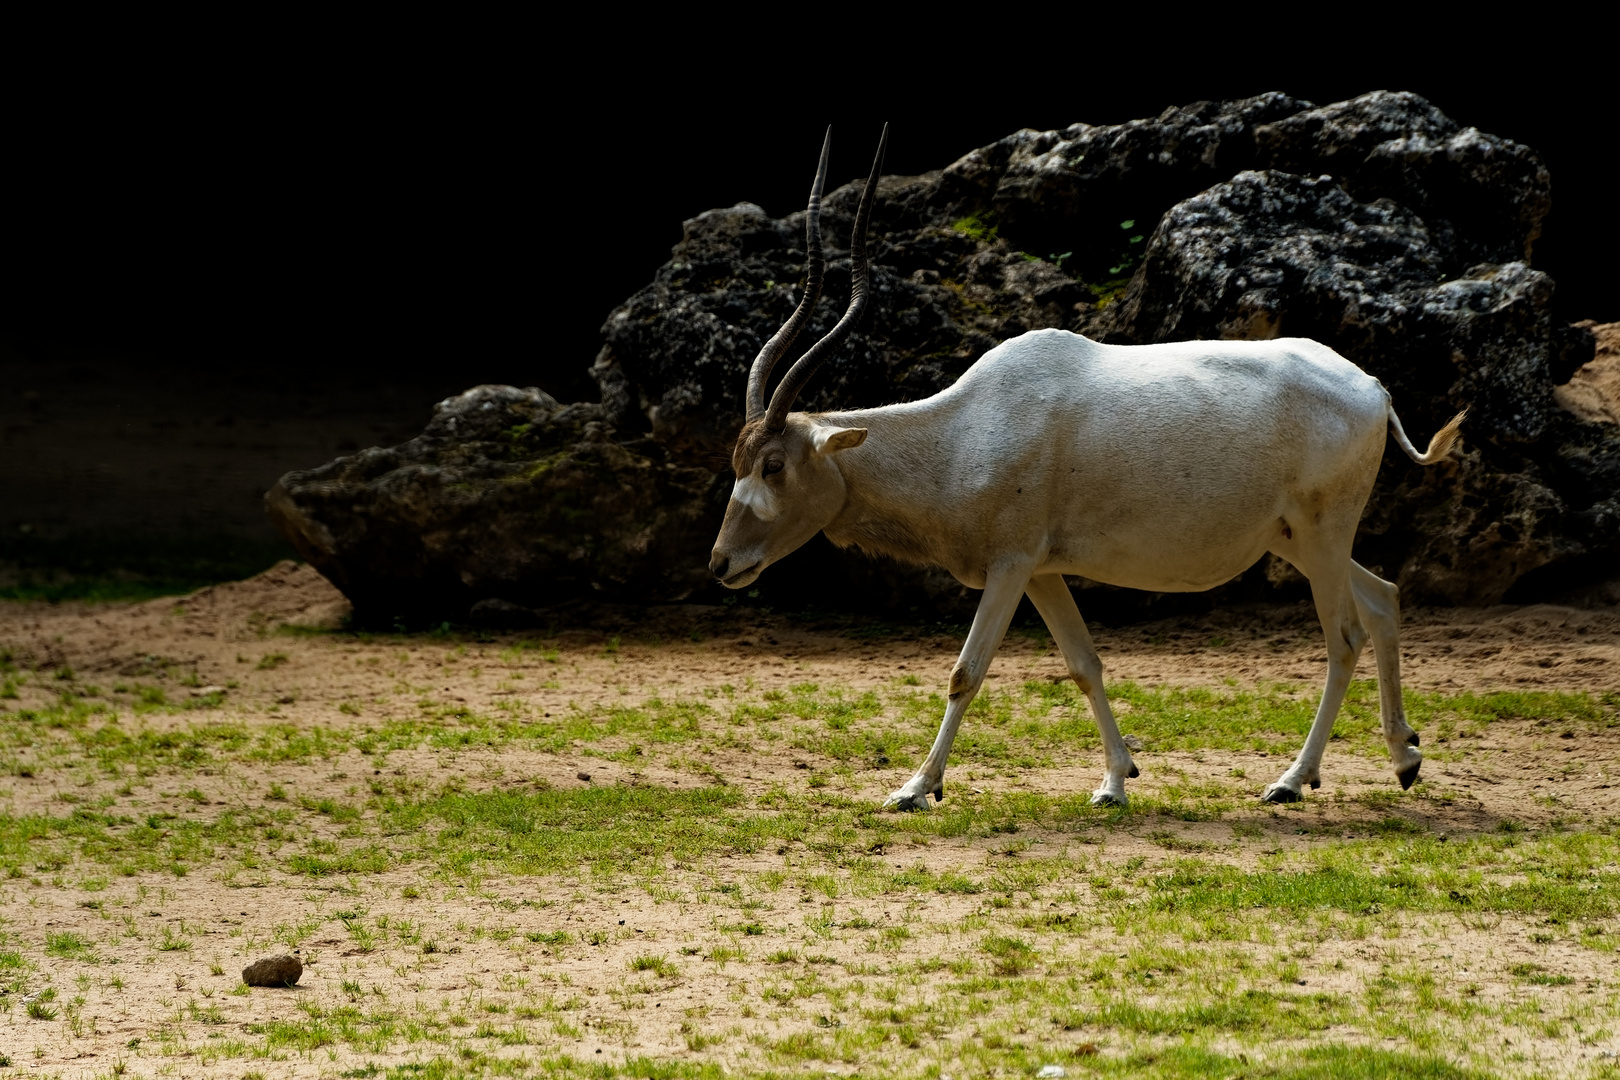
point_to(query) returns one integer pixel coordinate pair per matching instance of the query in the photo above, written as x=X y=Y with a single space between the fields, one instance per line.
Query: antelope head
x=788 y=487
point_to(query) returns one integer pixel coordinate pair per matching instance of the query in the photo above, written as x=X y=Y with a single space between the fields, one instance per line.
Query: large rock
x=507 y=495
x=1378 y=225
x=1481 y=197
x=1069 y=190
x=1272 y=254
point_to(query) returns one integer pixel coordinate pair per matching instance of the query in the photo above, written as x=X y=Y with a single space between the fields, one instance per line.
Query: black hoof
x=1408 y=776
x=1315 y=784
x=939 y=793
x=1135 y=772
x=1280 y=794
x=1413 y=740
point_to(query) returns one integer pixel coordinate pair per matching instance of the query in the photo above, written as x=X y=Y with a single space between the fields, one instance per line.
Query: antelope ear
x=830 y=440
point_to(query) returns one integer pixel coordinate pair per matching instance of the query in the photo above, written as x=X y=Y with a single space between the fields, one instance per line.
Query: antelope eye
x=771 y=466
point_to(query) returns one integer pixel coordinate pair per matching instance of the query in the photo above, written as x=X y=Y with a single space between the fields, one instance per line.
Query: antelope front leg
x=1055 y=602
x=996 y=607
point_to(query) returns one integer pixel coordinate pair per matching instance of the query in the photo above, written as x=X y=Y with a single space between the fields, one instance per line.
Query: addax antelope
x=1169 y=467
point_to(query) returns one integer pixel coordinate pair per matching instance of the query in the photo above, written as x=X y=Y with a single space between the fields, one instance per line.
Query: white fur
x=752 y=492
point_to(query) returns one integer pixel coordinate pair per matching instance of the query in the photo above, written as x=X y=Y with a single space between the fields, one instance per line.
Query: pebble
x=273 y=971
x=1132 y=742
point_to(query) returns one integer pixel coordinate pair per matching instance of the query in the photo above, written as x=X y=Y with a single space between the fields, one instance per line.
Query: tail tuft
x=1440 y=447
x=1444 y=440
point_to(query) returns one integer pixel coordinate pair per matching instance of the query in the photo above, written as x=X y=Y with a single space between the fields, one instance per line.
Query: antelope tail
x=1439 y=447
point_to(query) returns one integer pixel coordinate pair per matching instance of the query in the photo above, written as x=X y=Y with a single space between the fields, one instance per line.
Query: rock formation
x=506 y=496
x=1378 y=226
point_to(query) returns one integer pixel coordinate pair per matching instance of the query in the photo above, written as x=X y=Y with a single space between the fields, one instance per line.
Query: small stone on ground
x=273 y=971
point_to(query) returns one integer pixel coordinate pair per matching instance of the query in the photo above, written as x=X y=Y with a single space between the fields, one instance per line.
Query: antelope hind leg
x=995 y=611
x=1345 y=636
x=1378 y=602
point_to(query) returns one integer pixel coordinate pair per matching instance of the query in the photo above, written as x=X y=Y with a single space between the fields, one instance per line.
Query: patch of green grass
x=297 y=743
x=1274 y=718
x=160 y=842
x=1009 y=955
x=1567 y=875
x=658 y=965
x=323 y=858
x=365 y=939
x=1334 y=1061
x=920 y=877
x=299 y=1035
x=331 y=808
x=1537 y=975
x=604 y=828
x=92 y=731
x=1255 y=1012
x=721 y=955
x=68 y=946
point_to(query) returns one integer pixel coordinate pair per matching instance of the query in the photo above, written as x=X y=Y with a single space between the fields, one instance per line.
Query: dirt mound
x=287 y=593
x=170 y=631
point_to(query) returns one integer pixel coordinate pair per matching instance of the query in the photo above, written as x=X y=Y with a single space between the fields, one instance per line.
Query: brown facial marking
x=751 y=441
x=1288 y=534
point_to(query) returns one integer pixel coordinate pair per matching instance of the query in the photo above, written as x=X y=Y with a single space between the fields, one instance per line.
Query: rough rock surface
x=273 y=971
x=1378 y=225
x=507 y=495
x=1481 y=197
x=1273 y=254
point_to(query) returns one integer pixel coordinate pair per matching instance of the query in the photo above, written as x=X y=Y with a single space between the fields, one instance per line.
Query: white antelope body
x=1167 y=467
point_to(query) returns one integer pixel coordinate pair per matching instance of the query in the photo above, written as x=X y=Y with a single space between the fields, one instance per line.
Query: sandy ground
x=688 y=647
x=1593 y=393
x=233 y=637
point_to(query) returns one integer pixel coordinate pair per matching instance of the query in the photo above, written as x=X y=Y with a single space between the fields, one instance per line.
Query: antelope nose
x=718 y=564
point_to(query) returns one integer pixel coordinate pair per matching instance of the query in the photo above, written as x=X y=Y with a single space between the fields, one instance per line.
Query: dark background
x=208 y=285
